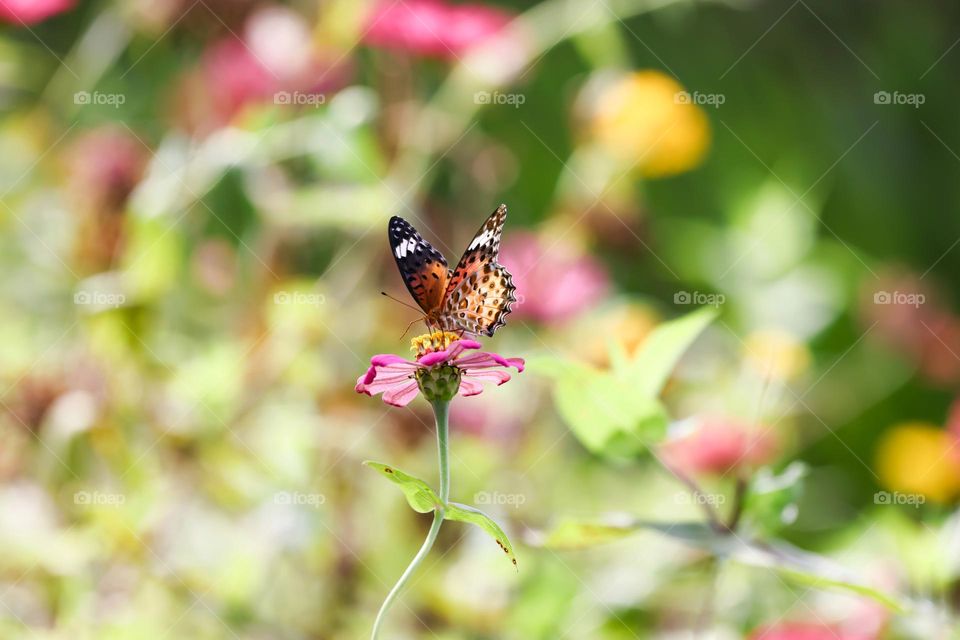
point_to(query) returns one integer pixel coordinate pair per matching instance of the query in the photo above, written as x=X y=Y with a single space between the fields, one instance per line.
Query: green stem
x=441 y=412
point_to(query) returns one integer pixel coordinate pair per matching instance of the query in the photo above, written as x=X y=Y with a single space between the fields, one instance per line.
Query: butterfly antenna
x=410 y=325
x=409 y=306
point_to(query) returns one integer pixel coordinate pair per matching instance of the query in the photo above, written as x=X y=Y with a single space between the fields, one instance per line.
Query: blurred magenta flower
x=433 y=27
x=718 y=445
x=907 y=313
x=276 y=60
x=807 y=631
x=235 y=76
x=446 y=357
x=557 y=281
x=31 y=11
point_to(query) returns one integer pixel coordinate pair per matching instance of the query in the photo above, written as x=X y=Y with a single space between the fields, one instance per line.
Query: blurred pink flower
x=940 y=346
x=557 y=283
x=234 y=76
x=909 y=316
x=433 y=27
x=31 y=11
x=718 y=445
x=276 y=61
x=806 y=631
x=397 y=378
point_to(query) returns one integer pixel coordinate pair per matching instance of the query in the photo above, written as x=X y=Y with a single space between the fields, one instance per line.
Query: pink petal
x=388 y=359
x=368 y=377
x=462 y=345
x=470 y=387
x=384 y=384
x=400 y=395
x=451 y=352
x=485 y=359
x=488 y=375
x=380 y=378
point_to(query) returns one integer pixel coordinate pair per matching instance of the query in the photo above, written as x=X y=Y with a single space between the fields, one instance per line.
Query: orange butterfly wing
x=480 y=291
x=423 y=268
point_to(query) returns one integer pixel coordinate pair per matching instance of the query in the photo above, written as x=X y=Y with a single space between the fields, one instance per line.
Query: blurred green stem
x=441 y=411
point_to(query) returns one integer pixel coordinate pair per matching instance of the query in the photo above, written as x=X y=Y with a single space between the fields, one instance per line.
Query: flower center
x=430 y=342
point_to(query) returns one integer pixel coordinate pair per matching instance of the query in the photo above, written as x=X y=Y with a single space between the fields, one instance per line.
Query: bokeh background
x=193 y=200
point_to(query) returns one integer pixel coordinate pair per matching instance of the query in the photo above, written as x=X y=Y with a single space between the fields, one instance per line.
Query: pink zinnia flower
x=31 y=11
x=718 y=445
x=398 y=379
x=557 y=282
x=432 y=27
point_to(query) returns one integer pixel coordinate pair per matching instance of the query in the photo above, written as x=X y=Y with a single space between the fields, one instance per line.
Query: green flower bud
x=439 y=383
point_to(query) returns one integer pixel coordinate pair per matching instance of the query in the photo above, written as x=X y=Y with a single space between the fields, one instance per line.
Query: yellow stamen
x=430 y=342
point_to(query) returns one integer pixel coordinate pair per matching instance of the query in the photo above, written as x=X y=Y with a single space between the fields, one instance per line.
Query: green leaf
x=606 y=415
x=790 y=562
x=419 y=495
x=616 y=413
x=465 y=513
x=651 y=365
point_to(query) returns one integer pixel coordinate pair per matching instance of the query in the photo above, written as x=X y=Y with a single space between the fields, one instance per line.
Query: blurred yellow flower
x=776 y=354
x=916 y=458
x=629 y=323
x=647 y=118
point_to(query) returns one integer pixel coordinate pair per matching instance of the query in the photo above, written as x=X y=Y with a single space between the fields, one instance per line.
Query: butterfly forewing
x=483 y=249
x=423 y=268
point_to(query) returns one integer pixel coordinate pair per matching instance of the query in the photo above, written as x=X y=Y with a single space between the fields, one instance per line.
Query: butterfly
x=475 y=296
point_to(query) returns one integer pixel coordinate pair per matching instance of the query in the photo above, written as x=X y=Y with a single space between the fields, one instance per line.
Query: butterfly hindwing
x=423 y=268
x=480 y=303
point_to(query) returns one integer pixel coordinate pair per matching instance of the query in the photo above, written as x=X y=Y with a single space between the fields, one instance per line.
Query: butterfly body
x=473 y=297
